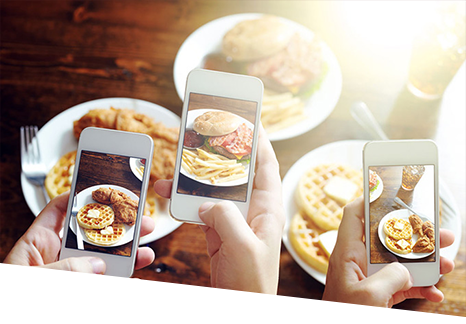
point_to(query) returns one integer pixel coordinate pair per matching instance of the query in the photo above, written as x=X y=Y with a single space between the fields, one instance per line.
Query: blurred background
x=404 y=59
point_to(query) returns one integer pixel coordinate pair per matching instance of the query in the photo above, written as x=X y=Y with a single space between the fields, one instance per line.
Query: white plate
x=350 y=153
x=378 y=191
x=207 y=39
x=192 y=115
x=134 y=165
x=85 y=197
x=56 y=138
x=400 y=214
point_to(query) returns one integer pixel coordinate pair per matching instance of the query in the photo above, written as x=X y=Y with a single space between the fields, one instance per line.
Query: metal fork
x=31 y=162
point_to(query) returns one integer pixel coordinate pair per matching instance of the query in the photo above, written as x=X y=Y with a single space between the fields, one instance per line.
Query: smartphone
x=402 y=207
x=107 y=198
x=218 y=142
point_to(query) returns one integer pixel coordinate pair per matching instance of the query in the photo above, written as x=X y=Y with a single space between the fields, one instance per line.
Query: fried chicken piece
x=416 y=223
x=105 y=118
x=428 y=229
x=118 y=196
x=130 y=121
x=126 y=211
x=102 y=195
x=423 y=245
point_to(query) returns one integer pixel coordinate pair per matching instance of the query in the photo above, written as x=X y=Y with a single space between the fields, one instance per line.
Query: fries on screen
x=209 y=166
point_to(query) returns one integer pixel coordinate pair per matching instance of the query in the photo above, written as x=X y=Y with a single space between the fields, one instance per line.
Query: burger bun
x=216 y=123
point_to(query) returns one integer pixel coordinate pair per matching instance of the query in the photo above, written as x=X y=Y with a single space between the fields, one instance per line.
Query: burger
x=373 y=181
x=268 y=48
x=225 y=134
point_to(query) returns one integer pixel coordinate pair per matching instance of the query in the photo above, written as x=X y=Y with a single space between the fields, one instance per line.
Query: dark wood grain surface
x=56 y=54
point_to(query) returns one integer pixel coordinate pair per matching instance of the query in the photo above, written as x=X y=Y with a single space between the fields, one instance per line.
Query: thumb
x=227 y=221
x=389 y=280
x=82 y=264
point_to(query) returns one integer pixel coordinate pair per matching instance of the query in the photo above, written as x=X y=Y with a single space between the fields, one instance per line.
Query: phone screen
x=396 y=233
x=105 y=203
x=217 y=147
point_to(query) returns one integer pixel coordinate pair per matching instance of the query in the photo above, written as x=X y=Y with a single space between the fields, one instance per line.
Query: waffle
x=95 y=235
x=398 y=234
x=151 y=206
x=322 y=209
x=304 y=237
x=394 y=245
x=105 y=218
x=58 y=179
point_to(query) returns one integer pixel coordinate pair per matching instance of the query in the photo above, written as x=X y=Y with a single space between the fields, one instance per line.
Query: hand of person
x=347 y=279
x=245 y=254
x=40 y=245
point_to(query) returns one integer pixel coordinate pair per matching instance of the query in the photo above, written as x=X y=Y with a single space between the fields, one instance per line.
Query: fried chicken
x=416 y=223
x=125 y=211
x=424 y=245
x=102 y=195
x=428 y=229
x=165 y=138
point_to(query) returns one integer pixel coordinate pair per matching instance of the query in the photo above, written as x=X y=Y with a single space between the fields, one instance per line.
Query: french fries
x=213 y=167
x=280 y=111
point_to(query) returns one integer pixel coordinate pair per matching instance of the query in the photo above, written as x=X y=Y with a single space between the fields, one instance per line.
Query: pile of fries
x=210 y=166
x=280 y=111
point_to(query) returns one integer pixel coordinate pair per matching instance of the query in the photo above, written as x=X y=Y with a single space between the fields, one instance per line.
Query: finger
x=226 y=219
x=430 y=293
x=83 y=264
x=53 y=215
x=163 y=188
x=446 y=265
x=389 y=280
x=145 y=256
x=147 y=226
x=447 y=238
x=267 y=169
x=351 y=229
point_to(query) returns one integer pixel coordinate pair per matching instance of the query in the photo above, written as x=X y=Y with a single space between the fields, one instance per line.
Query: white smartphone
x=218 y=142
x=402 y=207
x=107 y=197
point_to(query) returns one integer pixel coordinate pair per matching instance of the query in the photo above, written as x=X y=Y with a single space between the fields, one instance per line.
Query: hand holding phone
x=217 y=144
x=107 y=198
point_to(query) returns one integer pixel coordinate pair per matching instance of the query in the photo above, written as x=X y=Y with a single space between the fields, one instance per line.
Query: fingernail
x=206 y=206
x=98 y=265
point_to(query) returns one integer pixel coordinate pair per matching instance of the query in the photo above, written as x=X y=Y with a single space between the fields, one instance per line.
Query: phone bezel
x=185 y=207
x=118 y=143
x=396 y=153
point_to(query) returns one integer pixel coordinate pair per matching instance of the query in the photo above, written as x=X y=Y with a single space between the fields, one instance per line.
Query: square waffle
x=105 y=218
x=322 y=209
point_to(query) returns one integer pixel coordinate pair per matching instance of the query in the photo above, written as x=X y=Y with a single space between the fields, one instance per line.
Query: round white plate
x=56 y=138
x=378 y=191
x=207 y=39
x=192 y=115
x=400 y=214
x=350 y=153
x=85 y=197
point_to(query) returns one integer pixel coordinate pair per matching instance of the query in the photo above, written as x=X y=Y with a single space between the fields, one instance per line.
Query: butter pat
x=399 y=225
x=93 y=213
x=327 y=241
x=341 y=189
x=402 y=244
x=107 y=231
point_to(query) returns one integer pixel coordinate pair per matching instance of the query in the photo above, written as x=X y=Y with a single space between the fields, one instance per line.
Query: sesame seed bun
x=216 y=123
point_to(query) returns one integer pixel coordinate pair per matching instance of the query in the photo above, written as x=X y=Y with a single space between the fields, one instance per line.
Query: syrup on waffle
x=105 y=218
x=96 y=236
x=322 y=209
x=304 y=237
x=397 y=245
x=58 y=179
x=406 y=232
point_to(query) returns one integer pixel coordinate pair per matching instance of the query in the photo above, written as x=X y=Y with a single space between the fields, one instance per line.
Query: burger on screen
x=225 y=134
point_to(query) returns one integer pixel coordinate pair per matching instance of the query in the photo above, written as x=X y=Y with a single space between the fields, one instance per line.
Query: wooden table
x=56 y=54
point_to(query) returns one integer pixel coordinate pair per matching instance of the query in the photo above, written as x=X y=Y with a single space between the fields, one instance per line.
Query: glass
x=437 y=54
x=411 y=176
